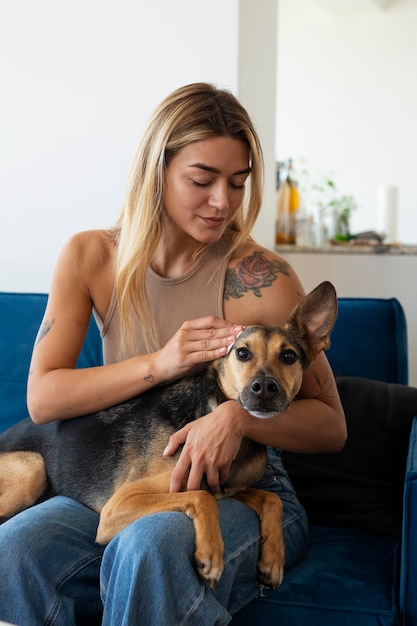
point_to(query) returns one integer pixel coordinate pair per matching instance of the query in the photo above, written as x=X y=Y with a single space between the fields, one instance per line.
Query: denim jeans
x=53 y=573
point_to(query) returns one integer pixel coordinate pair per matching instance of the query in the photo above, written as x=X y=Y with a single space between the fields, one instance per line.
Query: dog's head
x=264 y=368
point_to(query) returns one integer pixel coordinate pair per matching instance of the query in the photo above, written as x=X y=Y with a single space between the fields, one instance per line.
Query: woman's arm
x=56 y=389
x=313 y=423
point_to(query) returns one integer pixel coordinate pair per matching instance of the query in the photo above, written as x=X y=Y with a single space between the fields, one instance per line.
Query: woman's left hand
x=211 y=444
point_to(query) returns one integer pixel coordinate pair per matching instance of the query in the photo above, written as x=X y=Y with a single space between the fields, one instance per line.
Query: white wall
x=79 y=80
x=257 y=92
x=347 y=98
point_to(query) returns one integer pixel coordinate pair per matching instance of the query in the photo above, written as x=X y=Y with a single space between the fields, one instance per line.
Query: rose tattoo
x=251 y=274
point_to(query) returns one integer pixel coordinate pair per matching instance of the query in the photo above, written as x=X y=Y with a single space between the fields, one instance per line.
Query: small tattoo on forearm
x=149 y=379
x=44 y=329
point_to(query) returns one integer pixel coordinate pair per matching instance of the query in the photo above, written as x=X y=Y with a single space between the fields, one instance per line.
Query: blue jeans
x=52 y=571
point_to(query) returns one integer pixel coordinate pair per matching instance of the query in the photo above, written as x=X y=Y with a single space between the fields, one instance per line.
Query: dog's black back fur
x=86 y=456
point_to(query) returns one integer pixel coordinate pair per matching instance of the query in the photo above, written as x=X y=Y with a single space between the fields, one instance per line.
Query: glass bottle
x=288 y=202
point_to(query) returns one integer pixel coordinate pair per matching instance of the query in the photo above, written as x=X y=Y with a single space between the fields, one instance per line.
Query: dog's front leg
x=135 y=500
x=268 y=507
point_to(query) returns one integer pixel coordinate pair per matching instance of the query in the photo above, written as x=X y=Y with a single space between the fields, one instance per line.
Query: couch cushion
x=346 y=577
x=362 y=485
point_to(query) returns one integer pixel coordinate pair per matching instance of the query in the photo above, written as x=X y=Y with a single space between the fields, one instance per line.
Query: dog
x=112 y=461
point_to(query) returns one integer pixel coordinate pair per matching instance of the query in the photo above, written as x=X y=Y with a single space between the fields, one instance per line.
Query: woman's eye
x=199 y=183
x=236 y=186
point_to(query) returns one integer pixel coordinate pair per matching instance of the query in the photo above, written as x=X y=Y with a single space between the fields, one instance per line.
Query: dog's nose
x=264 y=387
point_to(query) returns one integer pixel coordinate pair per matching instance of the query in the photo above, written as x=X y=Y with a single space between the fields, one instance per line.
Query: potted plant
x=332 y=210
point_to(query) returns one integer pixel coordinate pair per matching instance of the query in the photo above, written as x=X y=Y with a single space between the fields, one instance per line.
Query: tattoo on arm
x=44 y=330
x=252 y=274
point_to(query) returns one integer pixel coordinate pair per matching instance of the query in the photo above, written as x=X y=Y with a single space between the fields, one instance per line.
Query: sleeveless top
x=197 y=293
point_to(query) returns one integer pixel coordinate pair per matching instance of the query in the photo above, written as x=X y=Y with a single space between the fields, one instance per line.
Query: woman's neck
x=172 y=260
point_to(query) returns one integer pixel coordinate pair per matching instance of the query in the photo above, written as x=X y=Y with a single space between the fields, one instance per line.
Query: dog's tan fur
x=22 y=481
x=140 y=486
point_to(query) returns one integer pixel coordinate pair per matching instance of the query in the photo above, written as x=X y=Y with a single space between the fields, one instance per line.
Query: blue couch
x=361 y=563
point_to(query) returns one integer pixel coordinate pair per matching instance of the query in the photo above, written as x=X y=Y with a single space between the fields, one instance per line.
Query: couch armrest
x=408 y=585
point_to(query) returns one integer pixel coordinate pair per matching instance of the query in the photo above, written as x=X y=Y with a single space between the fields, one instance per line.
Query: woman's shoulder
x=90 y=247
x=255 y=266
x=91 y=241
x=265 y=280
x=86 y=264
x=252 y=253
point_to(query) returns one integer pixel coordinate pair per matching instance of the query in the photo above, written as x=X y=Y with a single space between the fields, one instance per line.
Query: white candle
x=387 y=212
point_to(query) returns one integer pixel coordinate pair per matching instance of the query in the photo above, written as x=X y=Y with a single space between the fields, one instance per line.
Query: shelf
x=382 y=249
x=353 y=6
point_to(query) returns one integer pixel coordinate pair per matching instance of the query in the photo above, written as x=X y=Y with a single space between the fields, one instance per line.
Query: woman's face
x=205 y=186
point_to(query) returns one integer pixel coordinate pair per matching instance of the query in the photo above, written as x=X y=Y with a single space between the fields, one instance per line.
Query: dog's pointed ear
x=313 y=319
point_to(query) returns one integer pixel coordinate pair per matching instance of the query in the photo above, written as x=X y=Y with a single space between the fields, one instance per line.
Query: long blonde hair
x=192 y=113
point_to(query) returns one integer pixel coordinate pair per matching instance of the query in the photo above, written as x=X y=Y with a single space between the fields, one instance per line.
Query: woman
x=171 y=286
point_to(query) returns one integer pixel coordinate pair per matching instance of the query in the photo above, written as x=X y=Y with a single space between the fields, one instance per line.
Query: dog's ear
x=313 y=319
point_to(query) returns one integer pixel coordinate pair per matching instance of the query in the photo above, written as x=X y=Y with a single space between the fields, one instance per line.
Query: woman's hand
x=211 y=444
x=195 y=344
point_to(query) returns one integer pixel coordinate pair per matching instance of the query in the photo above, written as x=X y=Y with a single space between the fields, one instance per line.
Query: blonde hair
x=191 y=113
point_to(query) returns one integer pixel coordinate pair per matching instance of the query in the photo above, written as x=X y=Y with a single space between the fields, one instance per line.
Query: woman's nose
x=219 y=197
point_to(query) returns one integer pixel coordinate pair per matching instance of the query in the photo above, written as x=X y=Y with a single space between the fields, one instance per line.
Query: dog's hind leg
x=23 y=480
x=142 y=497
x=268 y=507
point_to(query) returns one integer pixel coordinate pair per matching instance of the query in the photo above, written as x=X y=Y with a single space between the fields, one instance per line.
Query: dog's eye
x=243 y=354
x=288 y=357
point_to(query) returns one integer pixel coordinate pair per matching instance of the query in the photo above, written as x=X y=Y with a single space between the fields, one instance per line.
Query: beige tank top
x=199 y=292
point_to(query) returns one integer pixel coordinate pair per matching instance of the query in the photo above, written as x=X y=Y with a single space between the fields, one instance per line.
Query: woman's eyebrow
x=214 y=170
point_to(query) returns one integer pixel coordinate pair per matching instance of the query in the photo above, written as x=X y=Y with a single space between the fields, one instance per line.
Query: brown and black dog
x=112 y=461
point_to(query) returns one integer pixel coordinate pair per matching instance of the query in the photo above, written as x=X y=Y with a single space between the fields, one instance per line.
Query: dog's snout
x=264 y=387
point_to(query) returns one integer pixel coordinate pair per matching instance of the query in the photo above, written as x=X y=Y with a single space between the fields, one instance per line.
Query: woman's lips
x=213 y=221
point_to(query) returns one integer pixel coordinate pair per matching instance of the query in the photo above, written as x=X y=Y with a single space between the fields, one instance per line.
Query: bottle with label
x=304 y=226
x=288 y=202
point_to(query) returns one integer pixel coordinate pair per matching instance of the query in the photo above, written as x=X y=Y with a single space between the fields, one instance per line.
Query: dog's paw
x=271 y=561
x=271 y=576
x=210 y=568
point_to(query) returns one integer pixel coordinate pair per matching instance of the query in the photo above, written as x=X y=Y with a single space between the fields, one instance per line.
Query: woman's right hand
x=196 y=343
